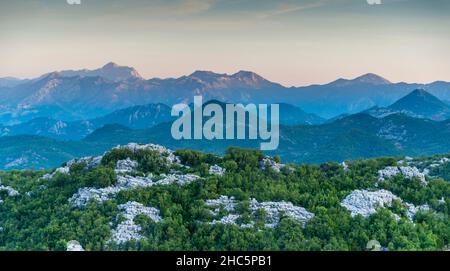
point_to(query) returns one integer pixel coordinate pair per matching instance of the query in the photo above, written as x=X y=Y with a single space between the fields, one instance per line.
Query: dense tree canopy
x=42 y=218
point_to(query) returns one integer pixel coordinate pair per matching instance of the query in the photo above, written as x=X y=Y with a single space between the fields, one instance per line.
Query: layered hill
x=148 y=197
x=353 y=137
x=87 y=94
x=418 y=104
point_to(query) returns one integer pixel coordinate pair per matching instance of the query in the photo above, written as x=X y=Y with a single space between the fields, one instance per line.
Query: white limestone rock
x=413 y=172
x=129 y=182
x=225 y=202
x=274 y=211
x=365 y=203
x=216 y=170
x=407 y=171
x=412 y=210
x=11 y=191
x=90 y=161
x=387 y=173
x=177 y=179
x=345 y=166
x=270 y=163
x=125 y=166
x=128 y=230
x=74 y=246
x=169 y=155
x=84 y=195
x=62 y=170
x=230 y=219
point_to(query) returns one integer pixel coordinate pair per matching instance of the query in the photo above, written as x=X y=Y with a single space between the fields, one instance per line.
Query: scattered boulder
x=216 y=170
x=407 y=171
x=227 y=203
x=62 y=170
x=125 y=166
x=74 y=246
x=345 y=166
x=168 y=154
x=366 y=203
x=274 y=211
x=268 y=162
x=90 y=162
x=11 y=191
x=84 y=195
x=128 y=230
x=387 y=173
x=413 y=172
x=177 y=179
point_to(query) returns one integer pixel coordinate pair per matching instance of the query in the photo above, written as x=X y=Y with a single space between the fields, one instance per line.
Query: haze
x=291 y=42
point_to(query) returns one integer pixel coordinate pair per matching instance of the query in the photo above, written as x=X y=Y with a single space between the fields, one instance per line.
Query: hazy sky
x=294 y=42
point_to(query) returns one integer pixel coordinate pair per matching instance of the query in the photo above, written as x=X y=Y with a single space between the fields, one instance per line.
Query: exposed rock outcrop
x=168 y=154
x=273 y=210
x=366 y=203
x=74 y=246
x=125 y=166
x=10 y=191
x=128 y=230
x=216 y=170
x=84 y=195
x=270 y=163
x=407 y=171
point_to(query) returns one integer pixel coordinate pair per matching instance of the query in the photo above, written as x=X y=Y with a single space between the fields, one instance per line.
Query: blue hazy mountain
x=75 y=95
x=110 y=71
x=8 y=82
x=351 y=137
x=418 y=104
x=136 y=117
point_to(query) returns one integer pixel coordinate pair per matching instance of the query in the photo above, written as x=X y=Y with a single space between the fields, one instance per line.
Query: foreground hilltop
x=147 y=197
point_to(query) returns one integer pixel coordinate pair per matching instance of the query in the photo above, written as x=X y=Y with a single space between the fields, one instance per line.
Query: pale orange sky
x=291 y=42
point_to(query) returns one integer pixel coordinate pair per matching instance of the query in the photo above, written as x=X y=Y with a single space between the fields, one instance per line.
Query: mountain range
x=68 y=114
x=135 y=117
x=352 y=137
x=87 y=94
x=418 y=104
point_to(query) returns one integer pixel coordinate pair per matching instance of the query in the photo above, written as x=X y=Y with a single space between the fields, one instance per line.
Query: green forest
x=37 y=210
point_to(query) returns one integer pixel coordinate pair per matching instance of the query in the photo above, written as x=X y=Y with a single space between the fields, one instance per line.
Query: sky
x=293 y=42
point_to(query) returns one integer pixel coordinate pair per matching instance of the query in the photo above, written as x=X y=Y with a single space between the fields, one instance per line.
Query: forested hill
x=146 y=197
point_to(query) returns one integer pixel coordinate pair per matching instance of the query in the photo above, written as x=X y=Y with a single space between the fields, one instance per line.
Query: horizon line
x=363 y=74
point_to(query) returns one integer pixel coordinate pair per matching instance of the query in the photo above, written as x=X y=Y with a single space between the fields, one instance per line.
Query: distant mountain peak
x=110 y=65
x=422 y=104
x=110 y=71
x=420 y=92
x=205 y=74
x=249 y=77
x=371 y=78
x=368 y=78
x=419 y=95
x=53 y=75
